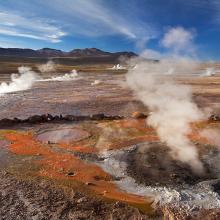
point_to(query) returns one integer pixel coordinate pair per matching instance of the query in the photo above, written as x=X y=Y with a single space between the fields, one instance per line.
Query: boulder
x=35 y=119
x=138 y=115
x=98 y=117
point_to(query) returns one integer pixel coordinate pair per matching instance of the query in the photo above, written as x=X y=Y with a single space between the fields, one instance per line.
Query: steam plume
x=209 y=72
x=211 y=135
x=96 y=82
x=117 y=67
x=73 y=75
x=22 y=81
x=172 y=109
x=47 y=67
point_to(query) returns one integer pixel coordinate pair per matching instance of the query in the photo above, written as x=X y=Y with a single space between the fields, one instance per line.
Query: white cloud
x=16 y=25
x=179 y=45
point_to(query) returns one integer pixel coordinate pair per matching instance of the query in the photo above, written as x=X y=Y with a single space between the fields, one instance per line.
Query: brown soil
x=57 y=165
x=42 y=200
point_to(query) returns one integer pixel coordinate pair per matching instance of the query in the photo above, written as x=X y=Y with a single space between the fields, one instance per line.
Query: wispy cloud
x=210 y=8
x=90 y=18
x=216 y=10
x=16 y=25
x=8 y=44
x=99 y=19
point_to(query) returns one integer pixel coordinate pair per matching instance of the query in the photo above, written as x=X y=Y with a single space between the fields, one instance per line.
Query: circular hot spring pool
x=63 y=135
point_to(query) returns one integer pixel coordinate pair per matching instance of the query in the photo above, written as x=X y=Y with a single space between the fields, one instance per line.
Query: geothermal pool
x=127 y=164
x=119 y=160
x=64 y=135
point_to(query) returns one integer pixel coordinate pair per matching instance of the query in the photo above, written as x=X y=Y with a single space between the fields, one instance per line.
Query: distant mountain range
x=78 y=53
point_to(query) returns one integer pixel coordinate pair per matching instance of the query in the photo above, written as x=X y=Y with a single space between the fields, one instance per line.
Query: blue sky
x=112 y=25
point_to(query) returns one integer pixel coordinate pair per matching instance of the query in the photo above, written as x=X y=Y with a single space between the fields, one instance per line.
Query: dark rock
x=71 y=173
x=17 y=120
x=35 y=119
x=216 y=187
x=90 y=184
x=98 y=117
x=138 y=115
x=45 y=118
x=56 y=118
x=69 y=118
x=82 y=118
x=214 y=118
x=49 y=117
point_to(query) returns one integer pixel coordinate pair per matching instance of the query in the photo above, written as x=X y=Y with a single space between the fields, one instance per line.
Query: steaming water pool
x=65 y=135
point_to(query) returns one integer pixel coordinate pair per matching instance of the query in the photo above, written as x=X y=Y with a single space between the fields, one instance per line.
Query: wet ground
x=111 y=160
x=80 y=170
x=78 y=97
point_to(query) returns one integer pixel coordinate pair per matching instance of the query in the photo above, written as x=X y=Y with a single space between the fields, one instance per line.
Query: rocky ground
x=79 y=97
x=76 y=97
x=56 y=164
x=40 y=199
